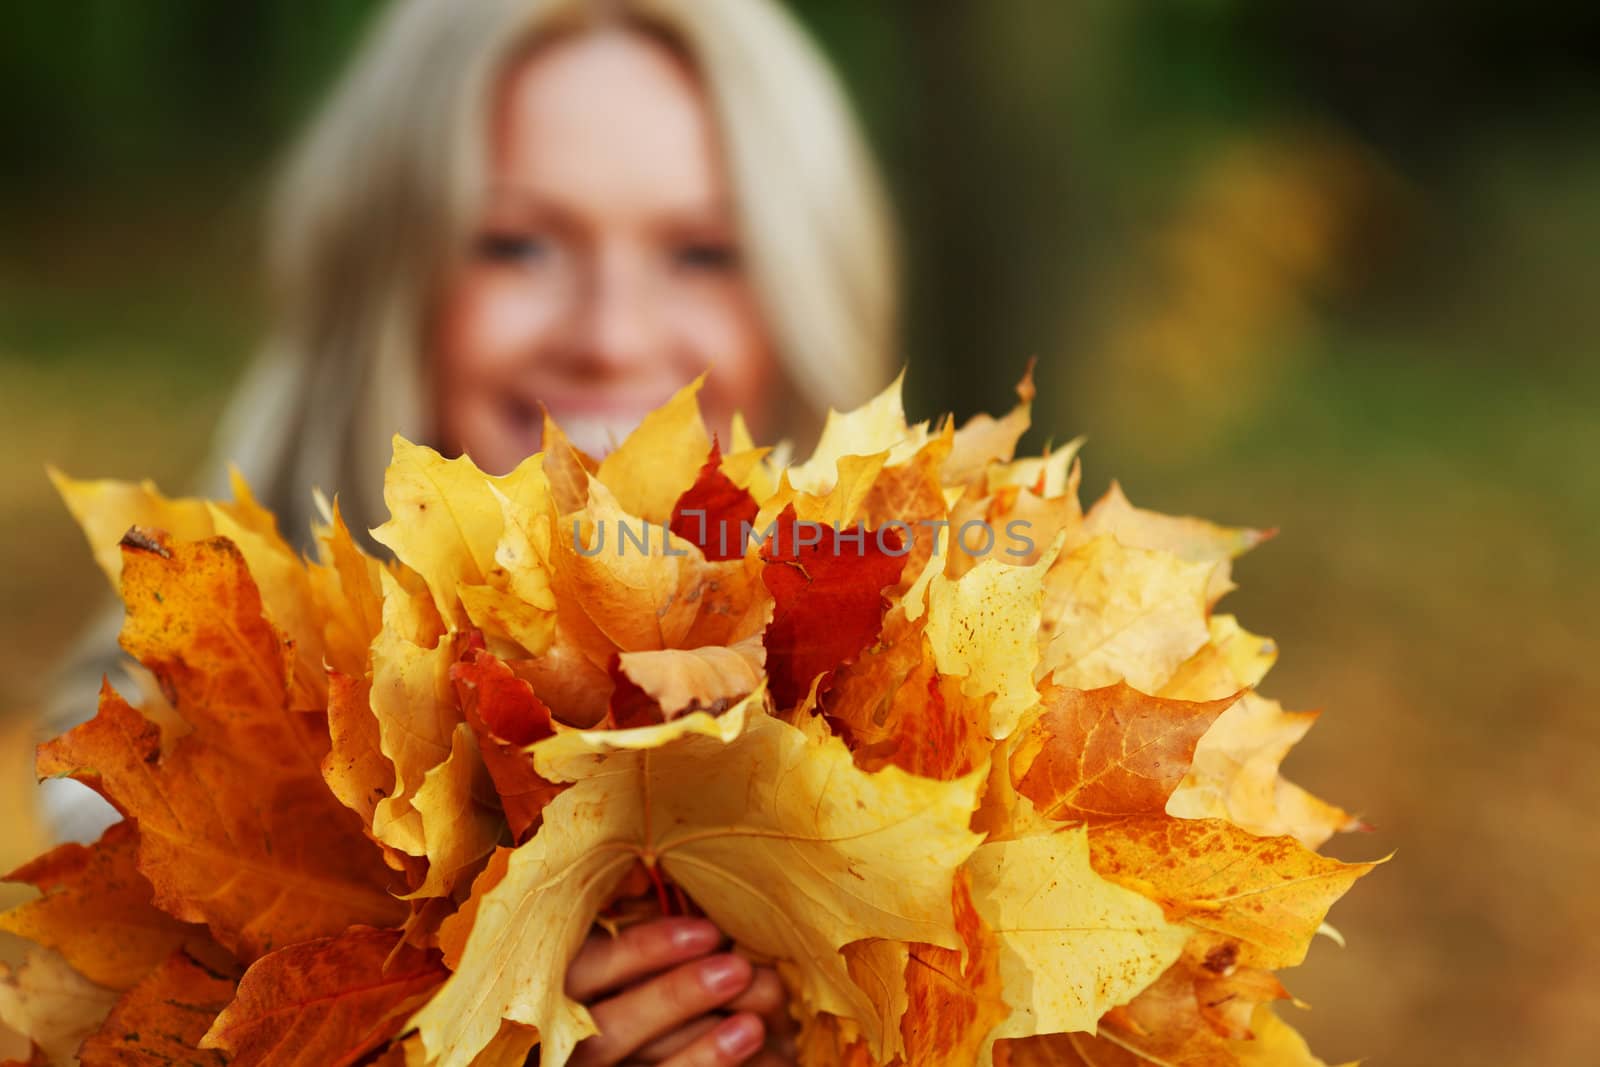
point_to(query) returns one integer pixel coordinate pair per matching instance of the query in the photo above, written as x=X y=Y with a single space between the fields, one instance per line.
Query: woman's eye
x=511 y=248
x=706 y=255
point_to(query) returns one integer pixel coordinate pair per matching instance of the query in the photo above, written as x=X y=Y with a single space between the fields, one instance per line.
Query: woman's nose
x=615 y=329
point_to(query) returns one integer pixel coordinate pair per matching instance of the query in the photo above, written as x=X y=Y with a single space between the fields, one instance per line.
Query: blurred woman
x=444 y=193
x=580 y=205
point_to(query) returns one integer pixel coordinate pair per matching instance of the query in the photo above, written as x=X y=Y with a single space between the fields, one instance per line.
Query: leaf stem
x=661 y=888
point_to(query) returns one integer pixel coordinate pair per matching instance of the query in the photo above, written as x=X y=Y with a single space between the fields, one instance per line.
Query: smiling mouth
x=596 y=431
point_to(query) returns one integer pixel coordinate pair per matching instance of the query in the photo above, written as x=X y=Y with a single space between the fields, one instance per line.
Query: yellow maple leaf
x=461 y=819
x=413 y=703
x=1232 y=659
x=1196 y=540
x=660 y=458
x=984 y=440
x=788 y=848
x=1165 y=1027
x=879 y=425
x=709 y=678
x=1022 y=524
x=1267 y=894
x=1072 y=944
x=1235 y=776
x=1113 y=613
x=1051 y=475
x=638 y=587
x=984 y=626
x=345 y=588
x=445 y=520
x=107 y=510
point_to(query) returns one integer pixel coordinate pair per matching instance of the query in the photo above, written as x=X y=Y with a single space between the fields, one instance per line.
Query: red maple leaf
x=828 y=587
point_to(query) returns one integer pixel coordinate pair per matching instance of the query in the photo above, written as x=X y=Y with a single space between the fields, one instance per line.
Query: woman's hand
x=661 y=993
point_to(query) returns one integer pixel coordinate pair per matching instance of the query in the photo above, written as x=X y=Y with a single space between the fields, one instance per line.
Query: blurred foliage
x=1328 y=267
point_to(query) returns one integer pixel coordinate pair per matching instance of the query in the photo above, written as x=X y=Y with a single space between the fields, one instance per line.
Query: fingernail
x=695 y=935
x=739 y=1036
x=725 y=974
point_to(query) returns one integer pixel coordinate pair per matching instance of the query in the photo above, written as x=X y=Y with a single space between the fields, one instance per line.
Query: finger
x=772 y=1054
x=766 y=996
x=735 y=1040
x=678 y=1040
x=606 y=962
x=661 y=1005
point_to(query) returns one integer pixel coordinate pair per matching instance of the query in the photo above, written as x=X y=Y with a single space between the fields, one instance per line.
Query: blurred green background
x=1326 y=267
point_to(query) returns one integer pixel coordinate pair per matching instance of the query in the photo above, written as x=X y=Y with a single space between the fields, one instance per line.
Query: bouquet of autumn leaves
x=979 y=799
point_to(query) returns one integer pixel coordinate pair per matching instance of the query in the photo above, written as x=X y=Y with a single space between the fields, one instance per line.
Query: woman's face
x=605 y=271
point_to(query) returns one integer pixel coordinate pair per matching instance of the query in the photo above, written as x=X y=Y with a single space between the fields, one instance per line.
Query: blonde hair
x=375 y=203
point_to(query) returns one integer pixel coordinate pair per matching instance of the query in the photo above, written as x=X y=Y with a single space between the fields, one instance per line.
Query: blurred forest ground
x=1329 y=268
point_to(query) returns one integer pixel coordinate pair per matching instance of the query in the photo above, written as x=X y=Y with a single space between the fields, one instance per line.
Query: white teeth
x=596 y=434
